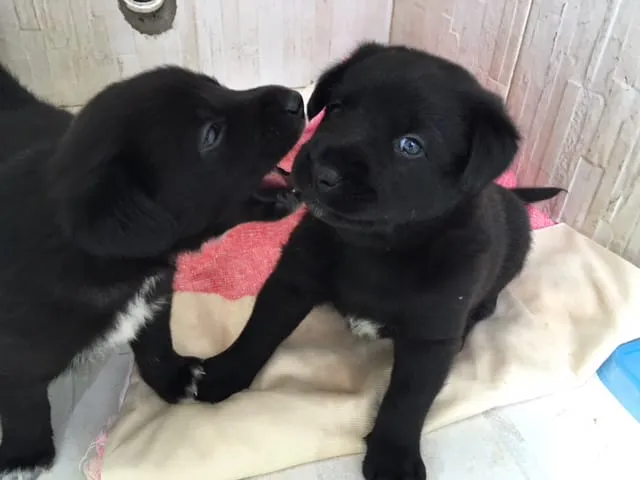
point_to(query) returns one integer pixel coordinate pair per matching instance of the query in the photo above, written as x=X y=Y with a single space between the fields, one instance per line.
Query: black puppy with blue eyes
x=406 y=234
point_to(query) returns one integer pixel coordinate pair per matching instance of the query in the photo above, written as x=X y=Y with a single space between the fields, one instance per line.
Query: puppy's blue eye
x=410 y=147
x=209 y=137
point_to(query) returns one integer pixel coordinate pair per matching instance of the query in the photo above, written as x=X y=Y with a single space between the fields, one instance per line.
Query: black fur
x=536 y=194
x=92 y=206
x=416 y=238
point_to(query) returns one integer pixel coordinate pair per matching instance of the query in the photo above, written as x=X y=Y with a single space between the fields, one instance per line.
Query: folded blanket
x=555 y=324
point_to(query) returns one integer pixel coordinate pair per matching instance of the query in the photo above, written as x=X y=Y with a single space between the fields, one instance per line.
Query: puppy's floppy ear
x=98 y=191
x=493 y=142
x=332 y=77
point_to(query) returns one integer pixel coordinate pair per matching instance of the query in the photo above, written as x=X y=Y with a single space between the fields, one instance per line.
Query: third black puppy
x=406 y=234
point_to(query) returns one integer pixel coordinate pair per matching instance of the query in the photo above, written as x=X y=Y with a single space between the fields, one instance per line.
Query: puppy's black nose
x=326 y=178
x=294 y=103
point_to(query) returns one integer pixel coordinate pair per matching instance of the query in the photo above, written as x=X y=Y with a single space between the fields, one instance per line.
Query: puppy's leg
x=483 y=310
x=281 y=204
x=26 y=448
x=298 y=283
x=279 y=309
x=419 y=371
x=170 y=375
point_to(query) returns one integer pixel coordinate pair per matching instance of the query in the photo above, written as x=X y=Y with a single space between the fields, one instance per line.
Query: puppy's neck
x=376 y=240
x=408 y=236
x=397 y=238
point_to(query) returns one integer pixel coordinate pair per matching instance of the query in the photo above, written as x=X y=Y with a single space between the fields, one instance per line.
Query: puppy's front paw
x=272 y=203
x=221 y=378
x=385 y=460
x=288 y=202
x=284 y=203
x=173 y=379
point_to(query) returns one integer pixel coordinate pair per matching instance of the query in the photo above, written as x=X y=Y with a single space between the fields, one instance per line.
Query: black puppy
x=94 y=210
x=405 y=229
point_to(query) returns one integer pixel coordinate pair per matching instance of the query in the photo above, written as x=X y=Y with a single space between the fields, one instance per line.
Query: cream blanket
x=555 y=324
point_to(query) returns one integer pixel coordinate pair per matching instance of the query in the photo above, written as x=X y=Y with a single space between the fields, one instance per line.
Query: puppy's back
x=30 y=131
x=12 y=94
x=511 y=228
x=27 y=123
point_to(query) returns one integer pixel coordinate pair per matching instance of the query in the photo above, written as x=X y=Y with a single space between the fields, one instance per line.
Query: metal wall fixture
x=149 y=17
x=143 y=6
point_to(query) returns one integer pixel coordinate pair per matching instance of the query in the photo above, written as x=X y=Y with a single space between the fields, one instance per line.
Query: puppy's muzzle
x=294 y=104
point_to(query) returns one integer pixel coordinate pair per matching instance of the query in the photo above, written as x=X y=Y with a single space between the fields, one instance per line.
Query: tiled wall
x=570 y=72
x=67 y=50
x=568 y=69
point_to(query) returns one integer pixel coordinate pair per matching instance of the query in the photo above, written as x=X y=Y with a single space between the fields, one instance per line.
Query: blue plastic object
x=621 y=375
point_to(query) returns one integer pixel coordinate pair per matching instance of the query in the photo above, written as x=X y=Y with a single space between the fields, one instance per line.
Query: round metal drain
x=150 y=17
x=144 y=6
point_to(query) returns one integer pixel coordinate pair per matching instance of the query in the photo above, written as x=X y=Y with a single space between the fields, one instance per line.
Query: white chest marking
x=139 y=310
x=22 y=474
x=364 y=328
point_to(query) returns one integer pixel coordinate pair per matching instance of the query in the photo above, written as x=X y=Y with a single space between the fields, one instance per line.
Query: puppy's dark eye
x=410 y=147
x=209 y=138
x=333 y=107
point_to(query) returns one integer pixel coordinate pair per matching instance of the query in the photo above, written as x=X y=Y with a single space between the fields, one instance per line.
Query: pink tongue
x=274 y=180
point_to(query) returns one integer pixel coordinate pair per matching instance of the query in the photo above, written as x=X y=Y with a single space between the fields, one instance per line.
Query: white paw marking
x=197 y=372
x=139 y=310
x=364 y=328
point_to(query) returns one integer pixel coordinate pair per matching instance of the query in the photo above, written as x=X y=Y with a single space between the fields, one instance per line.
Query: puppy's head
x=405 y=138
x=168 y=157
